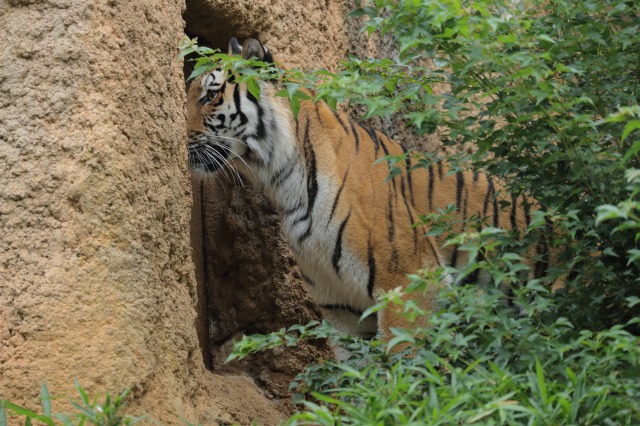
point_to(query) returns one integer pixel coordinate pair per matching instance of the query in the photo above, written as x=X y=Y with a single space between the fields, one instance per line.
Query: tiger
x=350 y=228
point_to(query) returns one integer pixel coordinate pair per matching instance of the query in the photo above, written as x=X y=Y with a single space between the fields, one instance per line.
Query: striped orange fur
x=351 y=230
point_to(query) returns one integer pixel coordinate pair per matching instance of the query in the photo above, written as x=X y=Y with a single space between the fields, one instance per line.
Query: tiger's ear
x=234 y=47
x=253 y=48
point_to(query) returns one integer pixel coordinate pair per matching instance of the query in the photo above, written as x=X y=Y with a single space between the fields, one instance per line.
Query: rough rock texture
x=253 y=286
x=96 y=278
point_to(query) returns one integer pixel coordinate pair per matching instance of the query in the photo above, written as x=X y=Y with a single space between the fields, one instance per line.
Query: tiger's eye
x=212 y=95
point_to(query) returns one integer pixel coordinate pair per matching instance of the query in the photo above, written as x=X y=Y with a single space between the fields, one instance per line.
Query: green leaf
x=254 y=88
x=628 y=128
x=83 y=394
x=632 y=301
x=634 y=256
x=22 y=411
x=295 y=106
x=198 y=71
x=45 y=398
x=282 y=93
x=608 y=212
x=633 y=150
x=363 y=11
x=542 y=386
x=185 y=52
x=3 y=413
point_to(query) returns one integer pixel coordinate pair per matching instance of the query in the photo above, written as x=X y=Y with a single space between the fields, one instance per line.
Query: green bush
x=548 y=94
x=89 y=411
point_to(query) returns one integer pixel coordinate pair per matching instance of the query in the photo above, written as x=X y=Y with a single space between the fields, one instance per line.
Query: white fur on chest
x=285 y=181
x=346 y=286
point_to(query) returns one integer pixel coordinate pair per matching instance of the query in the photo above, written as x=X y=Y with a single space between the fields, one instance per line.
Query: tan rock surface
x=96 y=277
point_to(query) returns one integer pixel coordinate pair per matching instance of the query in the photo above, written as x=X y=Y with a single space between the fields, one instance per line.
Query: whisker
x=214 y=157
x=243 y=161
x=240 y=141
x=225 y=163
x=228 y=164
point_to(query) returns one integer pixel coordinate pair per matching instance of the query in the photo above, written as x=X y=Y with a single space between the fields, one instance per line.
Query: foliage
x=547 y=92
x=90 y=411
x=483 y=360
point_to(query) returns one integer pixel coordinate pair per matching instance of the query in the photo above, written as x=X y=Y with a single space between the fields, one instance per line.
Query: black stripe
x=291 y=211
x=394 y=261
x=440 y=169
x=337 y=251
x=222 y=119
x=407 y=162
x=317 y=108
x=472 y=278
x=514 y=206
x=526 y=206
x=411 y=222
x=306 y=234
x=371 y=261
x=434 y=250
x=261 y=132
x=335 y=202
x=381 y=142
x=355 y=135
x=392 y=229
x=283 y=174
x=454 y=256
x=496 y=213
x=464 y=209
x=430 y=192
x=487 y=197
x=542 y=250
x=307 y=279
x=336 y=114
x=476 y=175
x=348 y=308
x=312 y=182
x=220 y=100
x=236 y=100
x=459 y=186
x=386 y=153
x=224 y=86
x=374 y=137
x=465 y=202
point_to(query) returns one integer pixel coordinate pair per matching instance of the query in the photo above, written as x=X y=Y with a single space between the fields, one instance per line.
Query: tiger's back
x=352 y=231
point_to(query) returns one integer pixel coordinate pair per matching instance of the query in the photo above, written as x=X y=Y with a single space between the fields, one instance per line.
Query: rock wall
x=96 y=276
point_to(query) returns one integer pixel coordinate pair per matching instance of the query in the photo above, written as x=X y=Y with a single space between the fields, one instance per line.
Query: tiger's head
x=227 y=126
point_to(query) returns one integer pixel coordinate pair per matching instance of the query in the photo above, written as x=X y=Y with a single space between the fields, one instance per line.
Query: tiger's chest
x=333 y=269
